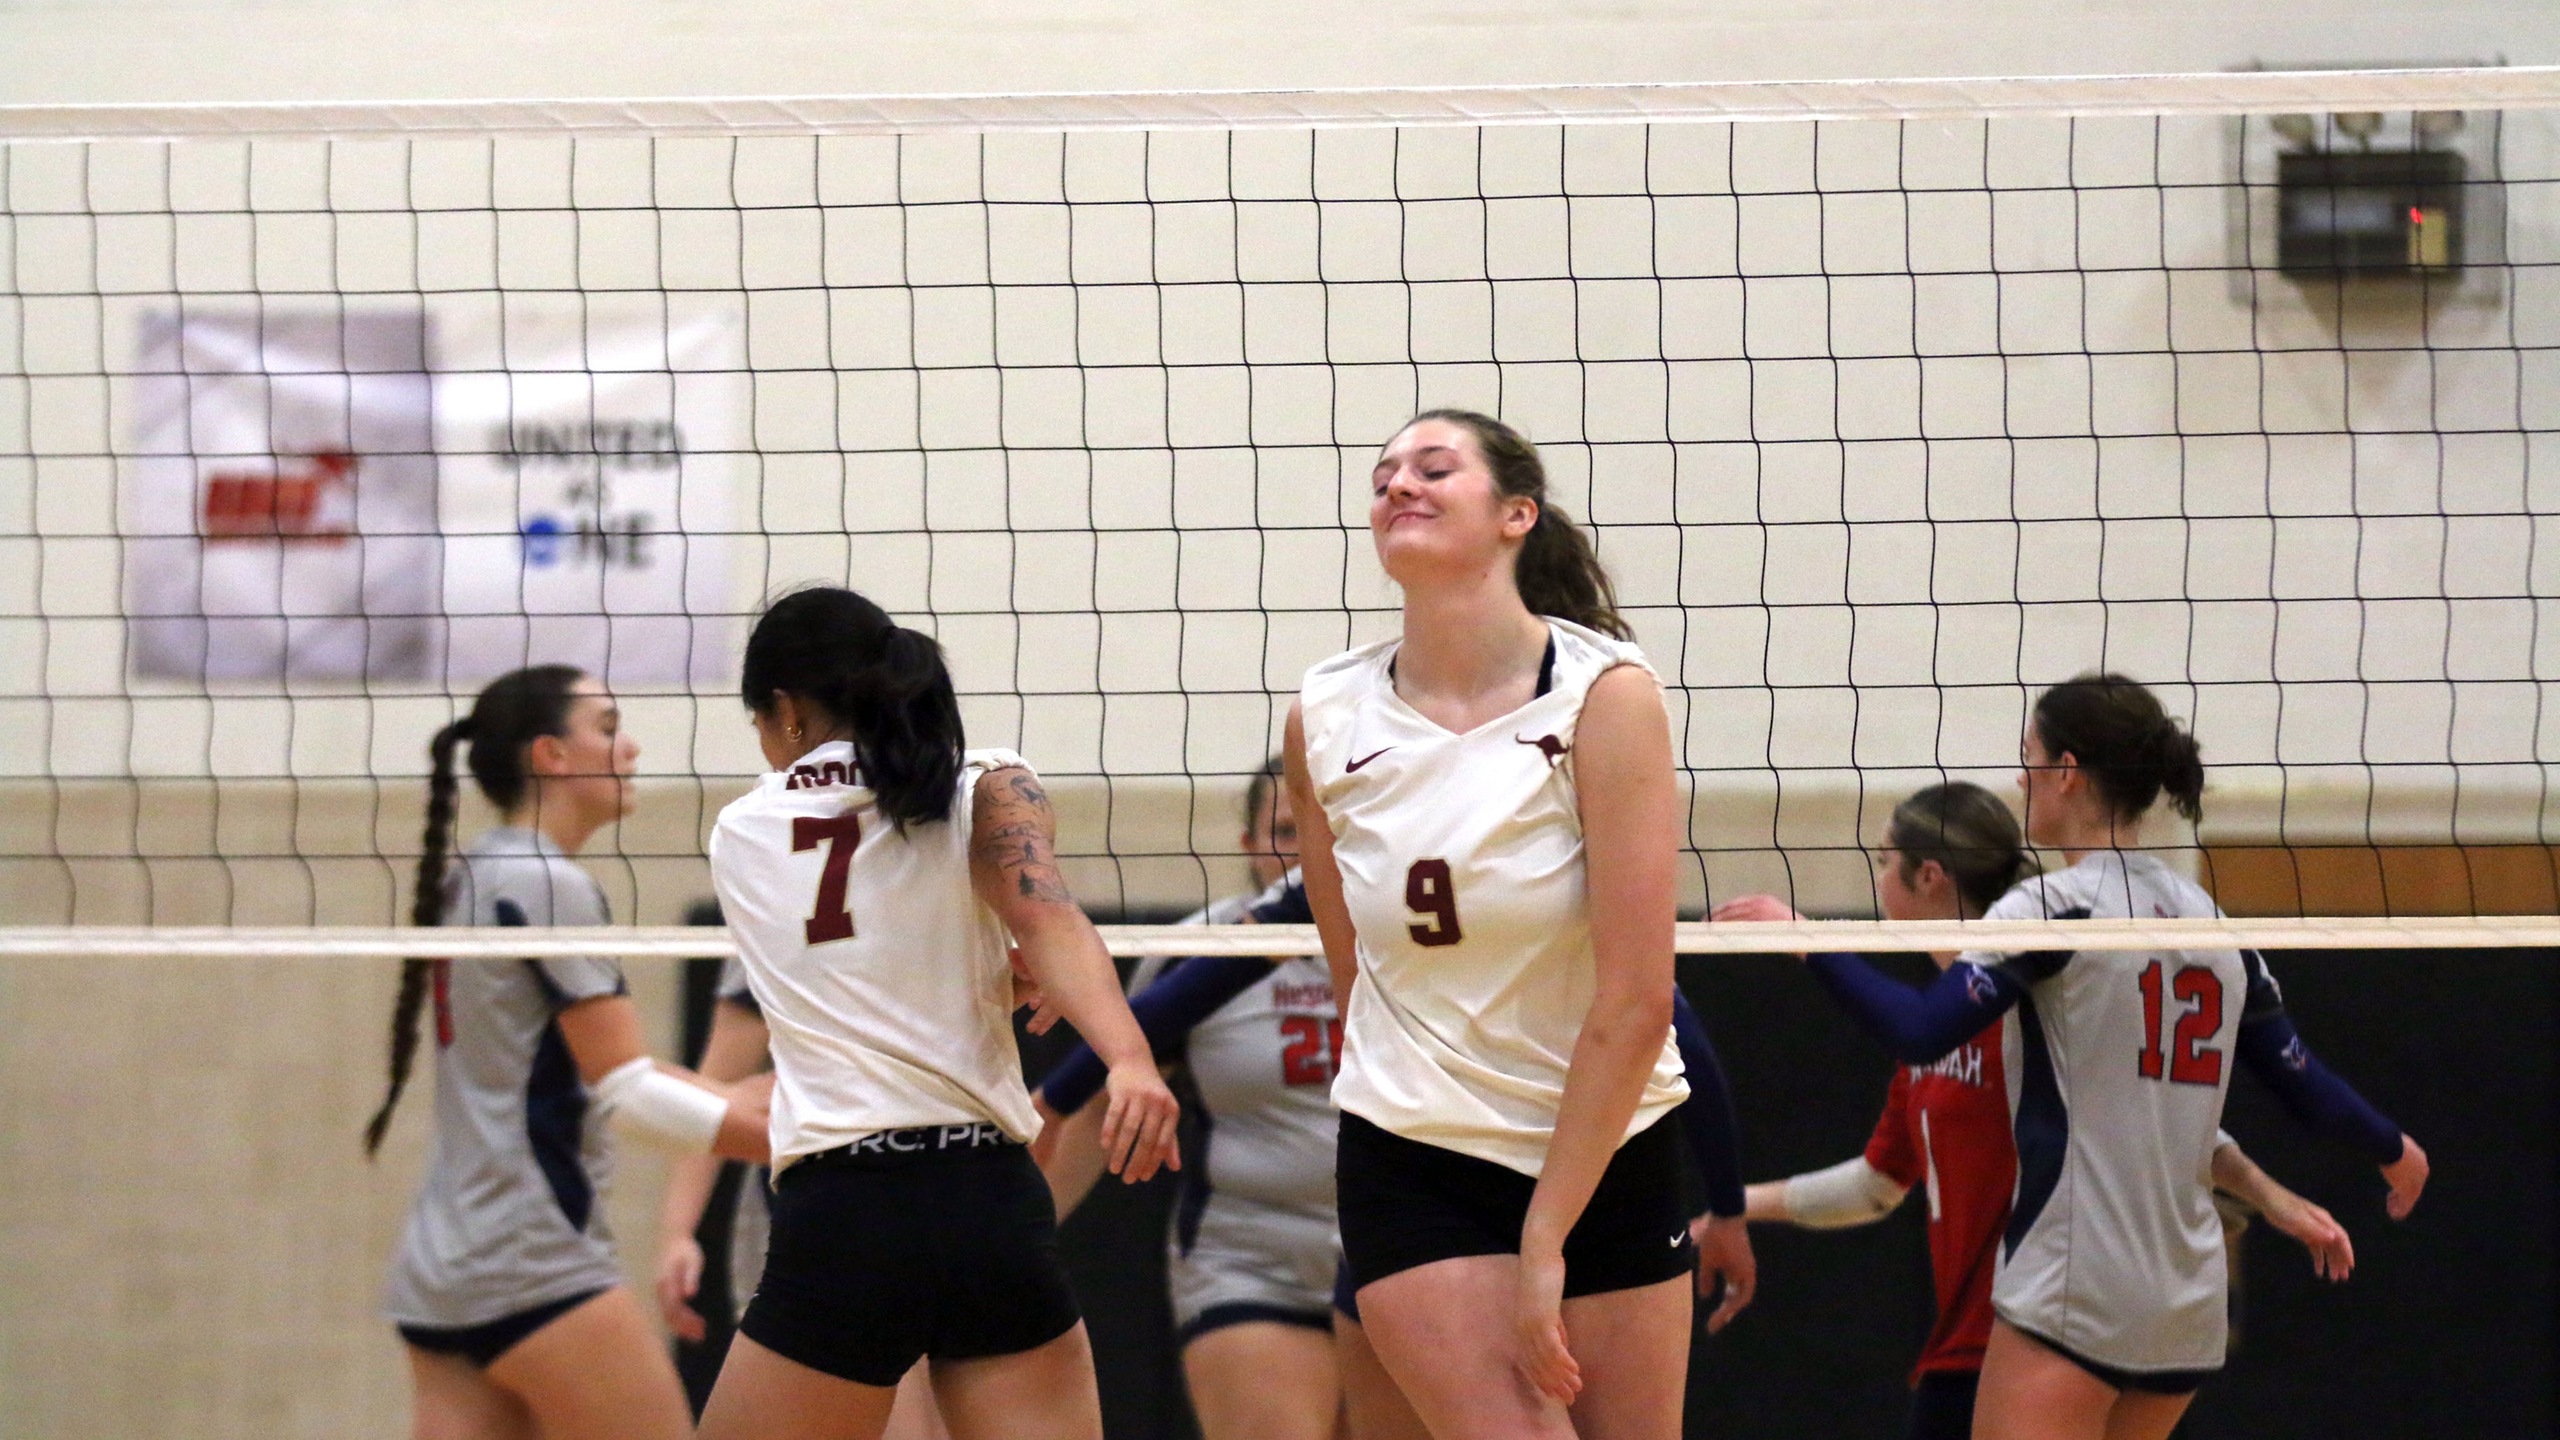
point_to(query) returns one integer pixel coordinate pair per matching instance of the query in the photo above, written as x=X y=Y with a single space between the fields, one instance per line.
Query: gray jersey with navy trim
x=751 y=1224
x=511 y=1214
x=2117 y=1063
x=1254 y=1226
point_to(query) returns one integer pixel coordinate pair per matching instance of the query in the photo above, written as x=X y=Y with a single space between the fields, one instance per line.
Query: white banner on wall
x=280 y=508
x=586 y=491
x=326 y=496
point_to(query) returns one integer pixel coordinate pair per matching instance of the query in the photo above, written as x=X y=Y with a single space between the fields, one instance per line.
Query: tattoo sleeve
x=1017 y=835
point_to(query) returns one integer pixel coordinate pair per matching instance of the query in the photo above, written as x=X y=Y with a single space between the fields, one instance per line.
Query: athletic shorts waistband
x=913 y=1143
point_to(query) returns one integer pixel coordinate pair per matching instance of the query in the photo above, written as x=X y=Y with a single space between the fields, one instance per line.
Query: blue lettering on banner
x=541 y=542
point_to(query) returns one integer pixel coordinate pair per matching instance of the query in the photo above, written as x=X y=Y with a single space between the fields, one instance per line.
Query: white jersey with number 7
x=1462 y=867
x=882 y=978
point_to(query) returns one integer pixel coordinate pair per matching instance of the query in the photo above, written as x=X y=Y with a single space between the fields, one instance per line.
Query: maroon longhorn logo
x=1548 y=745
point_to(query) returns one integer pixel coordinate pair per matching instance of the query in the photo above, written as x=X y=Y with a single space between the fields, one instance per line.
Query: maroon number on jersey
x=1430 y=892
x=841 y=834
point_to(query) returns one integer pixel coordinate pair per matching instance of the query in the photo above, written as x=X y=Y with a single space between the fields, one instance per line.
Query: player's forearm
x=1074 y=1163
x=1621 y=1042
x=1067 y=957
x=737 y=1046
x=689 y=1183
x=2323 y=1103
x=1918 y=1026
x=1852 y=1192
x=1765 y=1200
x=2234 y=1172
x=1706 y=1117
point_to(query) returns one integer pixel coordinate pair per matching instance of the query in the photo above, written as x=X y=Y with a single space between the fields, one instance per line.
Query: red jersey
x=1945 y=1131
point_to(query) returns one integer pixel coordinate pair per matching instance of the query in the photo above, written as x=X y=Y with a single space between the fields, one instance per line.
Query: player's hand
x=679 y=1280
x=2333 y=1255
x=2407 y=1177
x=1138 y=1130
x=1724 y=1252
x=1765 y=908
x=1545 y=1359
x=1027 y=991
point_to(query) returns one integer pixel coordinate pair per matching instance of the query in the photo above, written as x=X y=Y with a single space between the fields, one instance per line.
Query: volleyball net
x=1887 y=404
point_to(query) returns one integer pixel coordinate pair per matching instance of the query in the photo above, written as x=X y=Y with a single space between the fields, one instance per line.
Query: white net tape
x=1742 y=938
x=2259 y=92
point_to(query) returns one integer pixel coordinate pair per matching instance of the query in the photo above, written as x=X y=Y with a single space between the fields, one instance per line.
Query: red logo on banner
x=289 y=504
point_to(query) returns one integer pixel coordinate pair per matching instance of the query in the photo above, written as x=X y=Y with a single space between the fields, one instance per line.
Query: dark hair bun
x=2131 y=747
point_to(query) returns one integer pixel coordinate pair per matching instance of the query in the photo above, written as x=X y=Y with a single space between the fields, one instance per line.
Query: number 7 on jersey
x=842 y=835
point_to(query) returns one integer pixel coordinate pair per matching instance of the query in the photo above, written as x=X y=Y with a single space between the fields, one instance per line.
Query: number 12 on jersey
x=2191 y=1058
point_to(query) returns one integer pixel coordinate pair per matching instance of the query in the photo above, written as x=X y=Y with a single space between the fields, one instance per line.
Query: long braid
x=426 y=910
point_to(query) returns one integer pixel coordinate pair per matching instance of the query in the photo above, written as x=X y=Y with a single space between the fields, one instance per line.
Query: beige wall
x=191 y=1242
x=101 y=50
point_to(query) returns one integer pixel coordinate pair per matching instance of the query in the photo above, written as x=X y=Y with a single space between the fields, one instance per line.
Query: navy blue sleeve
x=1706 y=1117
x=1289 y=907
x=1921 y=1025
x=1186 y=994
x=2310 y=1091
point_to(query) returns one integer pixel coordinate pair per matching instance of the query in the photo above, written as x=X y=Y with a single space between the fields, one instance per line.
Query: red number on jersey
x=2191 y=1058
x=841 y=834
x=442 y=977
x=1429 y=891
x=1314 y=1050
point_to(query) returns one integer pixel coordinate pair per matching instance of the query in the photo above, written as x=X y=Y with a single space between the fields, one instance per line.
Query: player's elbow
x=1630 y=1015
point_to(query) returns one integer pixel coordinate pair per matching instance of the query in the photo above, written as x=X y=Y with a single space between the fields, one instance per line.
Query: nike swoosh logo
x=1354 y=767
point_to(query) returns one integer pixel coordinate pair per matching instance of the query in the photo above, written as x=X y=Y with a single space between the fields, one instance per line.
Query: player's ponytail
x=517 y=708
x=831 y=647
x=1971 y=835
x=1558 y=572
x=2132 y=749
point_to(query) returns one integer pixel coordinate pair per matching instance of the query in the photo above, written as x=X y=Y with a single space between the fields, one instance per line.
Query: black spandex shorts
x=2146 y=1382
x=483 y=1344
x=1405 y=1203
x=881 y=1257
x=1942 y=1405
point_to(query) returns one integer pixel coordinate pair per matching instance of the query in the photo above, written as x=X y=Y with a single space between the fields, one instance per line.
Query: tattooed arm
x=1013 y=864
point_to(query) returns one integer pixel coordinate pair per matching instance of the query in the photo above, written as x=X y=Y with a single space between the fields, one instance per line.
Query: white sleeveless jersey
x=1462 y=866
x=882 y=979
x=2117 y=1064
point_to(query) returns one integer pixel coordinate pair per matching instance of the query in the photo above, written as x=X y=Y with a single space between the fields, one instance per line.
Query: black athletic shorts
x=2144 y=1382
x=883 y=1256
x=1942 y=1405
x=1404 y=1203
x=483 y=1344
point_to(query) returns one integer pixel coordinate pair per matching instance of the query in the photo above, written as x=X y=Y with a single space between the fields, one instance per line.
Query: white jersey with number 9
x=1462 y=867
x=882 y=978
